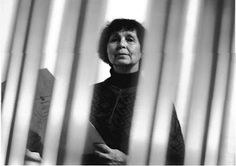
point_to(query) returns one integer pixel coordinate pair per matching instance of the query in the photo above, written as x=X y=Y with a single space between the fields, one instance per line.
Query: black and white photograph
x=118 y=82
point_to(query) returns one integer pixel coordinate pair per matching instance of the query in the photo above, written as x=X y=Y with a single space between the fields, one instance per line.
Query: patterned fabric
x=111 y=114
x=112 y=110
x=176 y=147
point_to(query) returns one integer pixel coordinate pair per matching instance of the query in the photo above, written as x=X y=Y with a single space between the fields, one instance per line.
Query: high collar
x=123 y=80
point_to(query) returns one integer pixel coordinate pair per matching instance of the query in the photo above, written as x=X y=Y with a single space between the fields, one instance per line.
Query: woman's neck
x=124 y=80
x=122 y=69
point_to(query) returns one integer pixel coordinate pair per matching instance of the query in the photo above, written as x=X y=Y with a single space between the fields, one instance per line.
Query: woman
x=112 y=106
x=120 y=46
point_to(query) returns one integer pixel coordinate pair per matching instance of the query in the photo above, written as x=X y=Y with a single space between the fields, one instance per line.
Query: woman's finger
x=102 y=155
x=102 y=147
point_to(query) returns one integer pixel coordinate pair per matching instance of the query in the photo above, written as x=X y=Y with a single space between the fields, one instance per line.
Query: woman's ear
x=141 y=54
x=109 y=63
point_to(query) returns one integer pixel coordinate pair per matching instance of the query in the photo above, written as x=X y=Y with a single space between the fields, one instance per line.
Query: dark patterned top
x=112 y=110
x=111 y=114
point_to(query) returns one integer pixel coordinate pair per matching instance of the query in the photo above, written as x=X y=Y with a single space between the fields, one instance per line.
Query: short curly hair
x=114 y=26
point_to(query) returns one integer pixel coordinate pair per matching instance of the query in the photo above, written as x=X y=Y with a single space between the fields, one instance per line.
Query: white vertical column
x=202 y=75
x=14 y=73
x=219 y=96
x=7 y=19
x=86 y=74
x=228 y=146
x=148 y=83
x=61 y=85
x=34 y=47
x=53 y=34
x=168 y=83
x=190 y=26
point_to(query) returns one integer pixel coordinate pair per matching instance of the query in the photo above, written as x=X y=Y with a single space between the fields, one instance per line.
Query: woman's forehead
x=125 y=32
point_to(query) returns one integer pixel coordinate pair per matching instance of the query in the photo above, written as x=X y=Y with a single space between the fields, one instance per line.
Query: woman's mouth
x=121 y=54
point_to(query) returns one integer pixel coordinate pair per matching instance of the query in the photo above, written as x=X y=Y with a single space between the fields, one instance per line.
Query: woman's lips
x=119 y=54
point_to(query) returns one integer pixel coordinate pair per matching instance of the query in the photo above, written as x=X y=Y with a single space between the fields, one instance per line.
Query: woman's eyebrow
x=130 y=35
x=114 y=35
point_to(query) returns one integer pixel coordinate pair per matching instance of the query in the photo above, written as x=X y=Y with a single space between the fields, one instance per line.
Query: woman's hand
x=113 y=156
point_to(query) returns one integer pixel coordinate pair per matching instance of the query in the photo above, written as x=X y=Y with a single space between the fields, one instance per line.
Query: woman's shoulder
x=101 y=86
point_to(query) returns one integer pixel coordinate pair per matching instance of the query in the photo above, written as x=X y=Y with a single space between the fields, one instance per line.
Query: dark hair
x=114 y=26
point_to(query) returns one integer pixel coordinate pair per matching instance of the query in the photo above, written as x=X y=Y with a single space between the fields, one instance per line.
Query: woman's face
x=124 y=51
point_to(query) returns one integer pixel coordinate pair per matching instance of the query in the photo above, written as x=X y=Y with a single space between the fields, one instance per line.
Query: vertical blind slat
x=8 y=16
x=219 y=96
x=147 y=88
x=191 y=19
x=13 y=77
x=227 y=145
x=62 y=82
x=34 y=46
x=168 y=83
x=83 y=90
x=202 y=84
x=53 y=34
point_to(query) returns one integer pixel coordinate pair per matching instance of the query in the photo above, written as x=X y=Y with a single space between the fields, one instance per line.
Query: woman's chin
x=122 y=63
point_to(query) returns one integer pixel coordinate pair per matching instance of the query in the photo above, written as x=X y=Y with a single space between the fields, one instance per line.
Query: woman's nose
x=122 y=43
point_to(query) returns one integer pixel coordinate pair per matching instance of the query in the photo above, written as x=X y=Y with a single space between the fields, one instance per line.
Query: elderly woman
x=120 y=47
x=112 y=106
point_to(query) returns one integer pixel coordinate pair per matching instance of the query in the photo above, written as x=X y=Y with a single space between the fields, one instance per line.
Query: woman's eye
x=114 y=39
x=130 y=39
